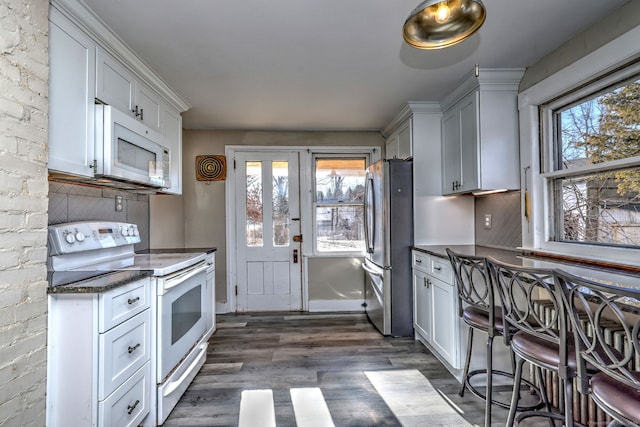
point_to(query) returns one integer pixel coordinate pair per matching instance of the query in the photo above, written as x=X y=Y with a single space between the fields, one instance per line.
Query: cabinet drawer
x=120 y=304
x=123 y=350
x=420 y=260
x=129 y=404
x=441 y=268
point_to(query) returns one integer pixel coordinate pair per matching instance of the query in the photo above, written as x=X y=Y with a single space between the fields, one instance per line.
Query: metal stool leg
x=466 y=363
x=515 y=396
x=487 y=414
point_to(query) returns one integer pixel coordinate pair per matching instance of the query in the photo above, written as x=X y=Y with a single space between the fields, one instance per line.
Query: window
x=339 y=203
x=594 y=174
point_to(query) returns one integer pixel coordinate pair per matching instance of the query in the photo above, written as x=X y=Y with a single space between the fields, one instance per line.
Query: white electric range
x=180 y=305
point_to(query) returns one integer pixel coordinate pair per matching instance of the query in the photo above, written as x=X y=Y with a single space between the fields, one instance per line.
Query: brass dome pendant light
x=435 y=24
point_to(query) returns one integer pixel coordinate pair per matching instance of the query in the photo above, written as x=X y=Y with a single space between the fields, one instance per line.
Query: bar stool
x=476 y=306
x=591 y=307
x=532 y=309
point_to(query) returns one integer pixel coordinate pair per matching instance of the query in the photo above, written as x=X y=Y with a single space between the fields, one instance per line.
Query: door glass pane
x=254 y=203
x=280 y=203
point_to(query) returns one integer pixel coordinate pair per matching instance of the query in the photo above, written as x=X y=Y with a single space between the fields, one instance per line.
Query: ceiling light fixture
x=435 y=24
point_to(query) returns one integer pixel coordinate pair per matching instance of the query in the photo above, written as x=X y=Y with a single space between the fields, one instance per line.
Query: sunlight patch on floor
x=413 y=400
x=310 y=408
x=256 y=409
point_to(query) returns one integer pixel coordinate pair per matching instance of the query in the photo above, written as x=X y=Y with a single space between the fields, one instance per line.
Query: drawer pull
x=437 y=268
x=130 y=408
x=418 y=261
x=133 y=300
x=134 y=348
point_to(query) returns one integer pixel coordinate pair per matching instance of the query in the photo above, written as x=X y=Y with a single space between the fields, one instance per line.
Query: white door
x=269 y=262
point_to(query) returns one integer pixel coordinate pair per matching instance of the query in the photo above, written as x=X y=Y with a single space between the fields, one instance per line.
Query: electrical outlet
x=119 y=203
x=487 y=220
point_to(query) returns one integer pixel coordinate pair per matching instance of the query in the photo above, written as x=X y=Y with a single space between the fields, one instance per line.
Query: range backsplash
x=506 y=220
x=69 y=202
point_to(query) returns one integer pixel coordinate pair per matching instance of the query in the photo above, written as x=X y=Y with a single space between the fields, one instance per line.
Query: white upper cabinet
x=398 y=144
x=408 y=129
x=149 y=107
x=115 y=84
x=71 y=92
x=89 y=65
x=118 y=87
x=172 y=129
x=480 y=134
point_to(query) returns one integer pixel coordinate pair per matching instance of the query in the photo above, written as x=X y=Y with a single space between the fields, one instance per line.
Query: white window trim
x=536 y=231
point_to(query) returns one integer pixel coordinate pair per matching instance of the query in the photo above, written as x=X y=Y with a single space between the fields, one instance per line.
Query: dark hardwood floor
x=364 y=378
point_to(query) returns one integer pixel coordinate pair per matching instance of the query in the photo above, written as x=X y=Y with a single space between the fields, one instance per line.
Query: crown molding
x=507 y=79
x=410 y=109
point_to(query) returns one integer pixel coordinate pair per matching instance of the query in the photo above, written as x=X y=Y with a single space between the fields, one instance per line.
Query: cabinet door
x=115 y=84
x=404 y=141
x=149 y=106
x=71 y=97
x=172 y=130
x=391 y=147
x=469 y=138
x=451 y=151
x=422 y=310
x=443 y=338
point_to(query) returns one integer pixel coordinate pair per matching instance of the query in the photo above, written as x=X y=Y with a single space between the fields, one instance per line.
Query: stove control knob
x=70 y=238
x=80 y=236
x=135 y=231
x=124 y=230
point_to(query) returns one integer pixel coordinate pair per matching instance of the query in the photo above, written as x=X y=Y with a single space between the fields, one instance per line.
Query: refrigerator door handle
x=369 y=215
x=371 y=271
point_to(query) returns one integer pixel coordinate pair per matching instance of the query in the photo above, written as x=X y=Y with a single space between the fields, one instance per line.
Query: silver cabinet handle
x=134 y=348
x=130 y=408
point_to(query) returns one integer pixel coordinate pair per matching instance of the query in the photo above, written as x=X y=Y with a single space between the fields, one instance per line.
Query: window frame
x=616 y=60
x=550 y=142
x=337 y=155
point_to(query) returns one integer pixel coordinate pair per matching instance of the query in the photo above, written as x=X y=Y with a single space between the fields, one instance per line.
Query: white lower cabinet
x=435 y=306
x=99 y=376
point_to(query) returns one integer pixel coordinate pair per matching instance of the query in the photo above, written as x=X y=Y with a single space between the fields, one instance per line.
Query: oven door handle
x=176 y=279
x=202 y=353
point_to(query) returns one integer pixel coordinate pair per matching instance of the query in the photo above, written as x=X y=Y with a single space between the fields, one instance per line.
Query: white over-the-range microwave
x=131 y=152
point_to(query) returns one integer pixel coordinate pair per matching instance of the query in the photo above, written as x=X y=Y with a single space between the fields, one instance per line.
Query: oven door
x=182 y=308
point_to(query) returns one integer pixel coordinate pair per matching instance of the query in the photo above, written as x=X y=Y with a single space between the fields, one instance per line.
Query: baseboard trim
x=336 y=305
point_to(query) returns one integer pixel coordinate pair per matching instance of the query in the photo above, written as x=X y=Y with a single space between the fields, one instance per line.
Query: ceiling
x=338 y=65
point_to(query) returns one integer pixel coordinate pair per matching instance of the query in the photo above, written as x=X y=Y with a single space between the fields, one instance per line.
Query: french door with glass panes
x=268 y=270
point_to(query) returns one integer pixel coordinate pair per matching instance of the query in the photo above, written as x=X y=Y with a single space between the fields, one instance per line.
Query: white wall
x=23 y=210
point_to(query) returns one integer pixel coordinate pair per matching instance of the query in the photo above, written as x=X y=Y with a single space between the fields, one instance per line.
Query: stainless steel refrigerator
x=388 y=239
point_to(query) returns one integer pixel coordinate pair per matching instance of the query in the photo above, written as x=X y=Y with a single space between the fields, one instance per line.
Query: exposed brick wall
x=23 y=211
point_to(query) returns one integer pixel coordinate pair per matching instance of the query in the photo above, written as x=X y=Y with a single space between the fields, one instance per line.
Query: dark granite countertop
x=513 y=256
x=88 y=282
x=609 y=275
x=177 y=250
